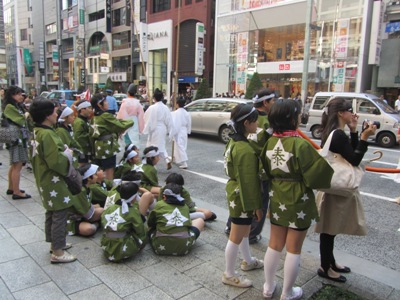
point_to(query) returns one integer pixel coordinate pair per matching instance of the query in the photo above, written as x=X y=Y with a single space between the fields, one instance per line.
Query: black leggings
x=326 y=243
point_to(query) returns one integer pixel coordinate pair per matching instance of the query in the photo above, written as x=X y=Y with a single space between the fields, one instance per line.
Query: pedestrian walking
x=158 y=124
x=182 y=127
x=294 y=169
x=340 y=215
x=112 y=102
x=243 y=192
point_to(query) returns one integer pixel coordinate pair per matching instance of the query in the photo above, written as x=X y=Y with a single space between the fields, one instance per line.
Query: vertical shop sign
x=339 y=76
x=375 y=45
x=199 y=46
x=342 y=39
x=27 y=62
x=55 y=62
x=241 y=59
x=143 y=43
x=108 y=15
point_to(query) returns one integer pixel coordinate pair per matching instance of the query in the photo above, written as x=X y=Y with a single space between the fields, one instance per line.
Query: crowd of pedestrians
x=271 y=169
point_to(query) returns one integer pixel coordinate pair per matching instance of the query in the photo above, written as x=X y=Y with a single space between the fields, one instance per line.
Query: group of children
x=125 y=200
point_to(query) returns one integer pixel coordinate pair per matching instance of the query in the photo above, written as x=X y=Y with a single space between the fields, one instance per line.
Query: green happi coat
x=16 y=115
x=243 y=189
x=66 y=135
x=99 y=192
x=170 y=233
x=81 y=134
x=149 y=177
x=128 y=229
x=185 y=195
x=104 y=132
x=112 y=198
x=121 y=169
x=50 y=165
x=295 y=168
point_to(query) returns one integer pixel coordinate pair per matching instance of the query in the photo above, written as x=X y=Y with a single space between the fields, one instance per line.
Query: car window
x=319 y=102
x=366 y=107
x=230 y=105
x=215 y=106
x=200 y=106
x=55 y=95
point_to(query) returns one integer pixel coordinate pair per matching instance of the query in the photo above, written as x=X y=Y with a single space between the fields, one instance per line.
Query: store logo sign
x=283 y=67
x=156 y=35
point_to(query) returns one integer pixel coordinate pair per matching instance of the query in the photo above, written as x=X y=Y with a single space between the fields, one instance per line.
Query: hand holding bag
x=9 y=133
x=346 y=178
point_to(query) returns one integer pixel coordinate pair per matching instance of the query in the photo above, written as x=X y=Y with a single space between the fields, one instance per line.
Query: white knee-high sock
x=290 y=271
x=197 y=215
x=271 y=263
x=244 y=248
x=231 y=252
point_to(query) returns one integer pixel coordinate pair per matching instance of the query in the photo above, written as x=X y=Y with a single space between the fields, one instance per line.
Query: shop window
x=119 y=17
x=121 y=40
x=98 y=15
x=188 y=2
x=24 y=34
x=160 y=5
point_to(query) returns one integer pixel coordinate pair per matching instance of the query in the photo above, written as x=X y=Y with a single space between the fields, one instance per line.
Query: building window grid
x=161 y=5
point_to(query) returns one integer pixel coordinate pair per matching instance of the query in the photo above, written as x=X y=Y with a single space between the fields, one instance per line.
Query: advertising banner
x=241 y=60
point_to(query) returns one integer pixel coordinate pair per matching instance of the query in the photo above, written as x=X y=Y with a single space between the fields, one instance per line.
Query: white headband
x=92 y=170
x=245 y=116
x=168 y=192
x=256 y=99
x=152 y=153
x=85 y=104
x=131 y=154
x=124 y=205
x=66 y=112
x=130 y=147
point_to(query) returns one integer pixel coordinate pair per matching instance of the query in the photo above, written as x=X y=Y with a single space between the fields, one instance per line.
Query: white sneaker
x=297 y=292
x=269 y=294
x=255 y=264
x=237 y=280
x=183 y=166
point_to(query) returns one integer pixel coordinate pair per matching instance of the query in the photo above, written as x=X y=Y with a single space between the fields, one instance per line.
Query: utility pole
x=304 y=78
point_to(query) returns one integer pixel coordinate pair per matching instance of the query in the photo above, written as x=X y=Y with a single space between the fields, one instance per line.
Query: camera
x=366 y=122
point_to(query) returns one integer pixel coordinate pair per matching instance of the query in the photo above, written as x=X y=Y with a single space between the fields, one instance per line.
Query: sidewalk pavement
x=26 y=272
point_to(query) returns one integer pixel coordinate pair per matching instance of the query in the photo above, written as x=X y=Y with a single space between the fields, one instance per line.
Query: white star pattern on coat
x=282 y=206
x=232 y=204
x=98 y=148
x=305 y=197
x=109 y=142
x=55 y=179
x=192 y=233
x=70 y=233
x=111 y=200
x=95 y=129
x=237 y=190
x=34 y=145
x=279 y=157
x=41 y=189
x=292 y=225
x=243 y=215
x=187 y=243
x=275 y=215
x=227 y=154
x=66 y=199
x=53 y=193
x=161 y=247
x=114 y=219
x=111 y=257
x=103 y=157
x=107 y=151
x=301 y=215
x=50 y=203
x=124 y=248
x=175 y=218
x=271 y=194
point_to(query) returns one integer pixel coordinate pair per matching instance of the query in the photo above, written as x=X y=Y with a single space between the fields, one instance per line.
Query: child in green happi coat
x=100 y=189
x=149 y=175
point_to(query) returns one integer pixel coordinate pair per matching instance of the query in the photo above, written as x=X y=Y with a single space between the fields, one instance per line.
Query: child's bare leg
x=146 y=202
x=198 y=223
x=155 y=190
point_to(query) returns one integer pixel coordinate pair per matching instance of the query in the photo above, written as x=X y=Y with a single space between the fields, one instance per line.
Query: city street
x=205 y=179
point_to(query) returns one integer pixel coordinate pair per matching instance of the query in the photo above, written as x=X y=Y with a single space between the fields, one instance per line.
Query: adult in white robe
x=158 y=123
x=182 y=124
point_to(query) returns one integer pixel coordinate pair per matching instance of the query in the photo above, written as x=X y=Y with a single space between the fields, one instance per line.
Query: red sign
x=283 y=67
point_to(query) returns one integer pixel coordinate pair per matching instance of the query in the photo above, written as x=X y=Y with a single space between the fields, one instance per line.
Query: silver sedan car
x=209 y=116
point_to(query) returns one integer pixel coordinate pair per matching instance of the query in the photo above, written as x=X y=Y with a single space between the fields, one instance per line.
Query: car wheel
x=386 y=139
x=316 y=132
x=224 y=133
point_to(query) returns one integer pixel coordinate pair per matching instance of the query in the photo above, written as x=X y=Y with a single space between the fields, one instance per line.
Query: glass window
x=119 y=17
x=200 y=106
x=229 y=106
x=366 y=107
x=161 y=5
x=98 y=15
x=121 y=40
x=188 y=2
x=215 y=106
x=24 y=34
x=51 y=28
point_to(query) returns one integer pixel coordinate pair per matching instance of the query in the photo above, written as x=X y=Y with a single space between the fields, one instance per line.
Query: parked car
x=44 y=94
x=63 y=97
x=209 y=116
x=367 y=107
x=119 y=97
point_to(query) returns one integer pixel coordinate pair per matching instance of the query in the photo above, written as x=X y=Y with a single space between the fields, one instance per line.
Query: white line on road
x=223 y=180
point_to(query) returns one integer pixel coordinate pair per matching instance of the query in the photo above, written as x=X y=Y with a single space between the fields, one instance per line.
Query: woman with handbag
x=14 y=113
x=340 y=214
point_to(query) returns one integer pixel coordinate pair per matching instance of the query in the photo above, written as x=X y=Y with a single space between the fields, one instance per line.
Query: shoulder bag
x=9 y=133
x=73 y=180
x=346 y=178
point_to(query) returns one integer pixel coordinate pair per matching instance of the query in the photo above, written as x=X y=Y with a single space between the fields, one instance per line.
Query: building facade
x=268 y=37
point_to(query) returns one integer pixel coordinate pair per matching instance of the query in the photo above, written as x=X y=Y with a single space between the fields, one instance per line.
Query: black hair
x=128 y=189
x=238 y=112
x=284 y=115
x=175 y=178
x=132 y=89
x=8 y=95
x=149 y=160
x=330 y=120
x=176 y=189
x=134 y=147
x=181 y=102
x=261 y=93
x=131 y=175
x=96 y=102
x=40 y=109
x=158 y=95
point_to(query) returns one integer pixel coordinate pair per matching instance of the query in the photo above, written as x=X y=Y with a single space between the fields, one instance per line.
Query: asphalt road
x=205 y=179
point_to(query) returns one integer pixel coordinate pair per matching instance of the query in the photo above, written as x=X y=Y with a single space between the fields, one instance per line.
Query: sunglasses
x=349 y=109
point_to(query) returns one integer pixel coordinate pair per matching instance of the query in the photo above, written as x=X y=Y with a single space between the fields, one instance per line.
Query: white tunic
x=158 y=123
x=182 y=125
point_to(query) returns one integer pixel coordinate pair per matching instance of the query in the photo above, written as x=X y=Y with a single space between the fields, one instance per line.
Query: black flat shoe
x=18 y=197
x=341 y=270
x=212 y=218
x=340 y=279
x=10 y=192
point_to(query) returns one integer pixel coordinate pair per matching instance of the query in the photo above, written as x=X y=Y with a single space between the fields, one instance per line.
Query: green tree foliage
x=204 y=90
x=43 y=88
x=96 y=88
x=109 y=84
x=254 y=85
